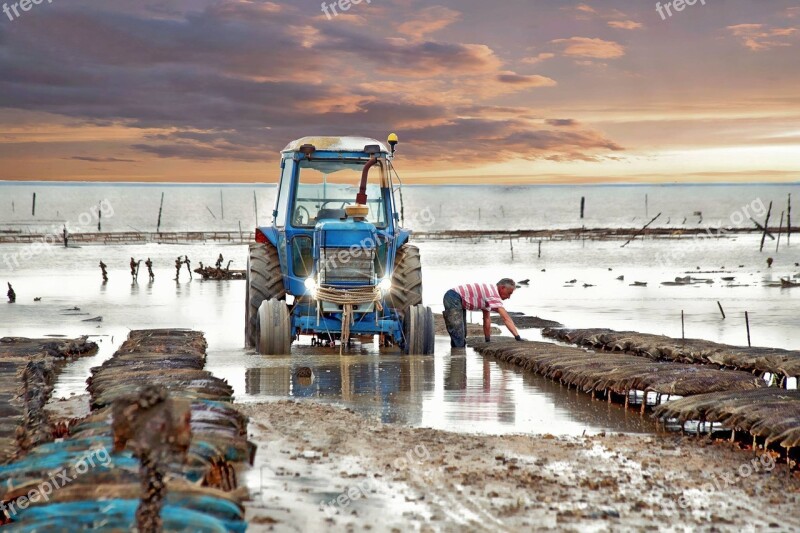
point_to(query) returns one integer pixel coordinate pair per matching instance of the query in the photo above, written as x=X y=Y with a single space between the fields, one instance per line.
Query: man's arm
x=508 y=322
x=487 y=325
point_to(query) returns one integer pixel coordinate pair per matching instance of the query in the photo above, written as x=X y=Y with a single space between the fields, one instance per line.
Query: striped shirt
x=479 y=296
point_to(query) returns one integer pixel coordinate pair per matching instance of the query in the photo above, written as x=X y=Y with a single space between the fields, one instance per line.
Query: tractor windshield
x=325 y=188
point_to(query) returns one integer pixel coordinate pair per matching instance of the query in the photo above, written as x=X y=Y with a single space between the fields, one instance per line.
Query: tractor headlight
x=385 y=284
x=311 y=285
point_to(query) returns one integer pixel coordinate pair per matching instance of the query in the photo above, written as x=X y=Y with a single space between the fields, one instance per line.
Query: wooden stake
x=583 y=204
x=720 y=310
x=683 y=327
x=161 y=207
x=255 y=206
x=789 y=221
x=646 y=209
x=766 y=225
x=640 y=231
x=540 y=249
x=759 y=226
x=221 y=206
x=780 y=229
x=747 y=321
x=33 y=208
x=511 y=242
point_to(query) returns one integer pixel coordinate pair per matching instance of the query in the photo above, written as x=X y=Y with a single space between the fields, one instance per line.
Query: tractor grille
x=339 y=265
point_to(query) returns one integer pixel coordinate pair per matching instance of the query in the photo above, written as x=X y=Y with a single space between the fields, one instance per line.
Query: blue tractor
x=335 y=262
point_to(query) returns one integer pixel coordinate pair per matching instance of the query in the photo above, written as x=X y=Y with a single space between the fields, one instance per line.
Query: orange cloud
x=625 y=24
x=588 y=47
x=758 y=38
x=431 y=19
x=538 y=58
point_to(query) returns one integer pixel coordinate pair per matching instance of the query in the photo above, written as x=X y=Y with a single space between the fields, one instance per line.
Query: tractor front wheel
x=264 y=281
x=406 y=279
x=273 y=333
x=419 y=331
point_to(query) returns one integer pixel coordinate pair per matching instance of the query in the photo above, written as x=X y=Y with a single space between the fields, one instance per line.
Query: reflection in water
x=457 y=392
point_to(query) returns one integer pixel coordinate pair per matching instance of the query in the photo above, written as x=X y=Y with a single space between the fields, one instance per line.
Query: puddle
x=454 y=392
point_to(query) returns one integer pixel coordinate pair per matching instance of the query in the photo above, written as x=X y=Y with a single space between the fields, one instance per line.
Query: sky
x=479 y=92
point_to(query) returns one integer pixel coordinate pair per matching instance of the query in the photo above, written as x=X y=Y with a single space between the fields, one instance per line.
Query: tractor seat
x=336 y=214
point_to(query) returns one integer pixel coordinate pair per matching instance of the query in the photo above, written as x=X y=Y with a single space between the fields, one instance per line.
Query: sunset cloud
x=625 y=24
x=429 y=20
x=213 y=89
x=758 y=37
x=587 y=47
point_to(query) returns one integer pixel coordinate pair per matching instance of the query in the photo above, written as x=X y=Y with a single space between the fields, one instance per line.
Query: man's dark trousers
x=455 y=319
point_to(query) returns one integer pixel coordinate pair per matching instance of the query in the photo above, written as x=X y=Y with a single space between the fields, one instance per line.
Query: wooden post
x=780 y=229
x=789 y=221
x=99 y=217
x=161 y=207
x=583 y=204
x=759 y=226
x=683 y=327
x=33 y=208
x=241 y=238
x=540 y=249
x=640 y=231
x=747 y=321
x=646 y=214
x=766 y=226
x=721 y=310
x=511 y=242
x=221 y=206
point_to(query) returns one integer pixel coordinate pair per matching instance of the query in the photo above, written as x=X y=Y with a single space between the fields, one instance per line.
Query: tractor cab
x=336 y=247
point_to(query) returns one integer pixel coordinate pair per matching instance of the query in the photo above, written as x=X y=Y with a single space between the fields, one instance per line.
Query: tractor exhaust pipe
x=361 y=197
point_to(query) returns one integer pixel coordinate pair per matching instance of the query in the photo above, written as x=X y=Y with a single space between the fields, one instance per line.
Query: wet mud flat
x=766 y=362
x=327 y=468
x=81 y=479
x=28 y=370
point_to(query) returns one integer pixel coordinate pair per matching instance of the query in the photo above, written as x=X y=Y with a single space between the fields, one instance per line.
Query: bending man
x=472 y=297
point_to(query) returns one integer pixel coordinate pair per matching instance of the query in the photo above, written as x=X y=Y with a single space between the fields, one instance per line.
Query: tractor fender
x=270 y=233
x=402 y=237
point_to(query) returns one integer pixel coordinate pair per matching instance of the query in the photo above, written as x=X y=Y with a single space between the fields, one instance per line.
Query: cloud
x=102 y=159
x=527 y=81
x=538 y=58
x=625 y=24
x=430 y=20
x=758 y=38
x=561 y=122
x=235 y=80
x=588 y=47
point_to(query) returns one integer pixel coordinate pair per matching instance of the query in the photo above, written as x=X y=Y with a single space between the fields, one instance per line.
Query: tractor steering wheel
x=298 y=216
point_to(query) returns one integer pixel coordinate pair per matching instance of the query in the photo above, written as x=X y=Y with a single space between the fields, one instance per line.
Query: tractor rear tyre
x=274 y=331
x=407 y=279
x=419 y=330
x=264 y=281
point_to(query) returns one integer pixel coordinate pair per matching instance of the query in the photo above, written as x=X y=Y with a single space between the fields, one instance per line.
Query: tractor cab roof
x=335 y=144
